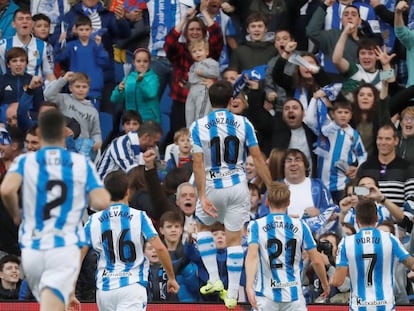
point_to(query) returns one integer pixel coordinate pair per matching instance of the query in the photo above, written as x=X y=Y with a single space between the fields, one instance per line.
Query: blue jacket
x=322 y=200
x=11 y=90
x=90 y=59
x=111 y=31
x=185 y=273
x=191 y=252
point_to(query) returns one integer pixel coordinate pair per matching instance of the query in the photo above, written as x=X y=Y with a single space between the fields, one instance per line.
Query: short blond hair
x=197 y=43
x=278 y=195
x=80 y=77
x=408 y=111
x=180 y=133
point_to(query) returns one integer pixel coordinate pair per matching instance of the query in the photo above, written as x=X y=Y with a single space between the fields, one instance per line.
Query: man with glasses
x=405 y=147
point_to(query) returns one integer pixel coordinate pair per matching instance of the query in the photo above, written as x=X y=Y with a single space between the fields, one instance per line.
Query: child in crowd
x=369 y=53
x=230 y=75
x=15 y=81
x=88 y=56
x=139 y=90
x=41 y=30
x=180 y=156
x=171 y=229
x=130 y=121
x=255 y=200
x=193 y=254
x=198 y=102
x=75 y=105
x=343 y=149
x=157 y=277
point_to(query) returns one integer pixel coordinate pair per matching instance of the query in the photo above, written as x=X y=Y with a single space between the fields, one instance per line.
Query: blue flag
x=256 y=73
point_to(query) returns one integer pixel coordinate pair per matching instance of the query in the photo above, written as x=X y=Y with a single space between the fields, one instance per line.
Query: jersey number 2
x=126 y=248
x=273 y=255
x=51 y=184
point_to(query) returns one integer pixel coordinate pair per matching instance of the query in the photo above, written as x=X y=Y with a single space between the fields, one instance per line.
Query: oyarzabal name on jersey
x=281 y=225
x=115 y=213
x=214 y=175
x=274 y=284
x=361 y=302
x=218 y=121
x=120 y=274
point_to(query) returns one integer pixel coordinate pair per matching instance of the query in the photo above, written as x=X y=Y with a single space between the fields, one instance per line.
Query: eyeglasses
x=293 y=160
x=408 y=119
x=383 y=169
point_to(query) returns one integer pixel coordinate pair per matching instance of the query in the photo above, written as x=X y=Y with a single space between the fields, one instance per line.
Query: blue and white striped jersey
x=369 y=256
x=382 y=212
x=40 y=60
x=281 y=240
x=116 y=234
x=54 y=194
x=123 y=153
x=223 y=138
x=345 y=145
x=162 y=23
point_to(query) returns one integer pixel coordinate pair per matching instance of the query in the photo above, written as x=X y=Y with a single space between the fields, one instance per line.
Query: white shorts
x=233 y=204
x=265 y=304
x=56 y=269
x=131 y=297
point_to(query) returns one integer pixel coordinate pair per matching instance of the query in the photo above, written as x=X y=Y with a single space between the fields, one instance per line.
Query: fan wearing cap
x=139 y=89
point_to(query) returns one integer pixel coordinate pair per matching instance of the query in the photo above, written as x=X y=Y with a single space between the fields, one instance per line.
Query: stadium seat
x=106 y=123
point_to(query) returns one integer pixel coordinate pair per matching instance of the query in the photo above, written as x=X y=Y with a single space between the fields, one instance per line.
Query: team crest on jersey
x=367 y=233
x=36 y=53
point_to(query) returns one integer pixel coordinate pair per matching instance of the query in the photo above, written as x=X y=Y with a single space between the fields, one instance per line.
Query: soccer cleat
x=230 y=303
x=211 y=288
x=223 y=294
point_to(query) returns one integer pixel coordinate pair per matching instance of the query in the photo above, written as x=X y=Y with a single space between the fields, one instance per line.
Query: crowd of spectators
x=328 y=86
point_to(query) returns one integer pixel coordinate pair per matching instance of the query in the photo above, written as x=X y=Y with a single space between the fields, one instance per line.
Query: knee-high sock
x=208 y=253
x=234 y=269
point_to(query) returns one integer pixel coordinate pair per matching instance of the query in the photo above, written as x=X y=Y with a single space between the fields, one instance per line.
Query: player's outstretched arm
x=252 y=259
x=165 y=259
x=320 y=270
x=99 y=199
x=260 y=164
x=9 y=194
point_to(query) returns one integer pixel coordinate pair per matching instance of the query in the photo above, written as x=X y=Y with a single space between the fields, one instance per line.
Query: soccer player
x=369 y=256
x=280 y=240
x=56 y=185
x=220 y=141
x=116 y=235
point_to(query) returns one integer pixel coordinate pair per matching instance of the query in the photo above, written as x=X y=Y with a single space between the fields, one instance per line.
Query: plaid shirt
x=181 y=59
